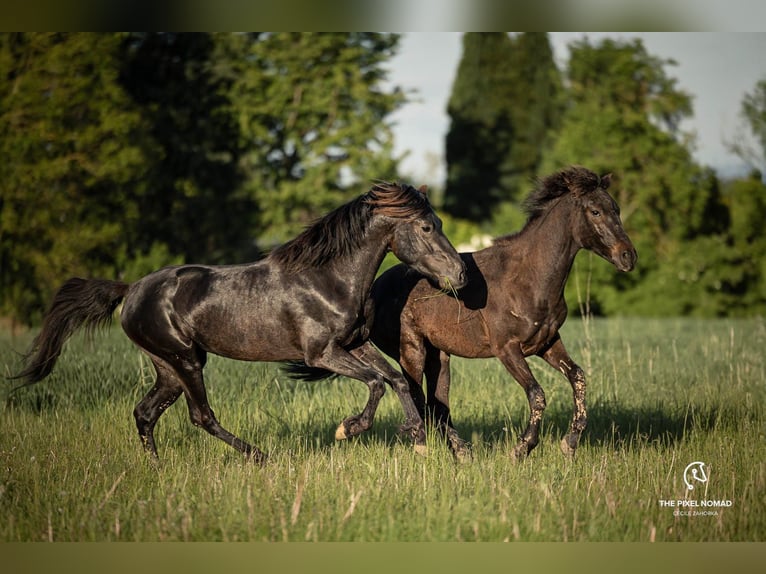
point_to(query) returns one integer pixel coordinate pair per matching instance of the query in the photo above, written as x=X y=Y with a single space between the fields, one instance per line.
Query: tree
x=746 y=200
x=125 y=152
x=536 y=107
x=623 y=117
x=193 y=203
x=481 y=127
x=753 y=112
x=312 y=114
x=505 y=103
x=75 y=151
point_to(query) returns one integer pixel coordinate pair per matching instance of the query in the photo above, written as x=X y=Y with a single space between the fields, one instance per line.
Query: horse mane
x=575 y=179
x=341 y=231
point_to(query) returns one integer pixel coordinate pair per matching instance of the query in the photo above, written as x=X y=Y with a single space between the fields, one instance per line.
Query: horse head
x=419 y=241
x=598 y=225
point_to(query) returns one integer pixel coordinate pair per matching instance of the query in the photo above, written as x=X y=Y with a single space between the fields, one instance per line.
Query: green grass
x=661 y=394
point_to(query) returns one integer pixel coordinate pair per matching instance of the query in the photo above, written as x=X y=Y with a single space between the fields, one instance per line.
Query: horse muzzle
x=626 y=258
x=458 y=280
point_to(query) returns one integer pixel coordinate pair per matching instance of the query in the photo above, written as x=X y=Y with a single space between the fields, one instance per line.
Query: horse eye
x=427 y=228
x=595 y=212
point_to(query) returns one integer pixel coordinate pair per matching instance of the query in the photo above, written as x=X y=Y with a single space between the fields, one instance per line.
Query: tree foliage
x=318 y=128
x=76 y=154
x=124 y=152
x=699 y=249
x=623 y=117
x=193 y=204
x=753 y=112
x=504 y=103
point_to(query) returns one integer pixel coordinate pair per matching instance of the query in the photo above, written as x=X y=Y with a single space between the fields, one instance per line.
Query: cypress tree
x=505 y=103
x=481 y=127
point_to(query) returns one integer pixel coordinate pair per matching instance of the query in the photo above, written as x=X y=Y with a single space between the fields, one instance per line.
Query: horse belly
x=457 y=331
x=246 y=333
x=237 y=314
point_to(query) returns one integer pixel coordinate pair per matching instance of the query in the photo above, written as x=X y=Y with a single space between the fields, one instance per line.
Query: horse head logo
x=695 y=472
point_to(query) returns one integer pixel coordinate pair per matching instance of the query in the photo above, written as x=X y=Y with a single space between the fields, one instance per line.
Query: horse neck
x=361 y=264
x=550 y=243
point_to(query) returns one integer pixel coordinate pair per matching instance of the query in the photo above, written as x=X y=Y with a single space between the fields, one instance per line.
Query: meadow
x=662 y=393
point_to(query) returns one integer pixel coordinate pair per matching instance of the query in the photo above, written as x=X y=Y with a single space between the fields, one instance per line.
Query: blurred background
x=124 y=152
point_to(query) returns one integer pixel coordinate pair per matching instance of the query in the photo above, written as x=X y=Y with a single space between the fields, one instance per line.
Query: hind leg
x=189 y=369
x=437 y=372
x=164 y=393
x=183 y=375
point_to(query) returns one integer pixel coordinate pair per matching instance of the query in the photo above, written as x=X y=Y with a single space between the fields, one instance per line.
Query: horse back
x=230 y=311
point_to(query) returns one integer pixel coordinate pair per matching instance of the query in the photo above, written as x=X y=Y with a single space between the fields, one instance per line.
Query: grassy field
x=662 y=394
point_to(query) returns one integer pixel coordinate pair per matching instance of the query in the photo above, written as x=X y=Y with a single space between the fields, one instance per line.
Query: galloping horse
x=512 y=307
x=308 y=300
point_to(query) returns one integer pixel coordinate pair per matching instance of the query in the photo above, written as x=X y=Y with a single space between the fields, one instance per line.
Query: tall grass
x=662 y=394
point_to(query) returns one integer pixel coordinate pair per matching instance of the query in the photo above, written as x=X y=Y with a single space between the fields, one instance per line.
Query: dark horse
x=308 y=300
x=512 y=307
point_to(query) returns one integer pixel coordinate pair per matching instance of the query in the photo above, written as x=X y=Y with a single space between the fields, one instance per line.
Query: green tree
x=193 y=203
x=124 y=152
x=623 y=117
x=312 y=112
x=536 y=107
x=753 y=112
x=481 y=127
x=75 y=152
x=746 y=199
x=504 y=104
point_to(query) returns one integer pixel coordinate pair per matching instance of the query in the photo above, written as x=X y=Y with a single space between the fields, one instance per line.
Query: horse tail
x=78 y=303
x=301 y=371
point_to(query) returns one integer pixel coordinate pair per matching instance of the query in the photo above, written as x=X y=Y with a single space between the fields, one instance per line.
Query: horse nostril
x=629 y=257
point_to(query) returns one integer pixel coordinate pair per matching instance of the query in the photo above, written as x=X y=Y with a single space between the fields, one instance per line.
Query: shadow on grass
x=610 y=425
x=615 y=426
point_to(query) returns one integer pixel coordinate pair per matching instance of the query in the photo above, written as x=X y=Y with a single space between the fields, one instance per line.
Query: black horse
x=512 y=307
x=308 y=300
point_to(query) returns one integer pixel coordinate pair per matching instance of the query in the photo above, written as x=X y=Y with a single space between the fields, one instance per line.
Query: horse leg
x=164 y=393
x=366 y=364
x=188 y=367
x=557 y=357
x=514 y=361
x=437 y=372
x=412 y=354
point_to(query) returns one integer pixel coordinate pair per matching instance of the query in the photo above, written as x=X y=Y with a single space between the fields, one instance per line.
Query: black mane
x=341 y=231
x=575 y=179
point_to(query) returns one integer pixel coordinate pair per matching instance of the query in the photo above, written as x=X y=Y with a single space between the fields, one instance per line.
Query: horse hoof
x=340 y=432
x=519 y=453
x=461 y=450
x=463 y=455
x=421 y=449
x=566 y=448
x=257 y=457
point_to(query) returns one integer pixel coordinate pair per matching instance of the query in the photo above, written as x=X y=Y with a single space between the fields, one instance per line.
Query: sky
x=716 y=69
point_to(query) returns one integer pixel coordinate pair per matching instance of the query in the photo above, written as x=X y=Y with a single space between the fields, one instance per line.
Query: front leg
x=514 y=361
x=556 y=356
x=367 y=355
x=437 y=371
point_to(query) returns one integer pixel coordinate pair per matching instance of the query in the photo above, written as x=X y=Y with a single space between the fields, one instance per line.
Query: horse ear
x=423 y=189
x=606 y=180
